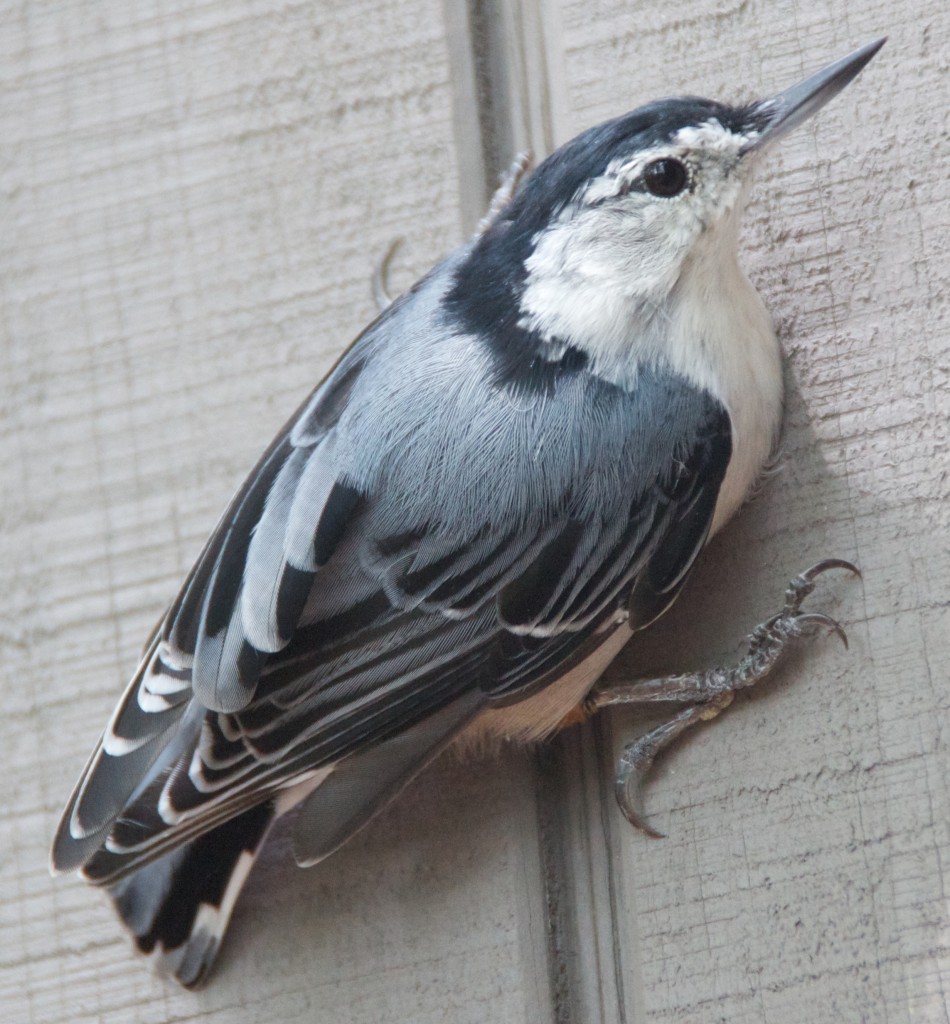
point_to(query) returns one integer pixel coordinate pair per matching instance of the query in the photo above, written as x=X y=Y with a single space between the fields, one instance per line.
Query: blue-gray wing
x=407 y=542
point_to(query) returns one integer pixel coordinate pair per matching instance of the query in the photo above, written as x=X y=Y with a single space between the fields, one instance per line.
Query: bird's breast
x=721 y=338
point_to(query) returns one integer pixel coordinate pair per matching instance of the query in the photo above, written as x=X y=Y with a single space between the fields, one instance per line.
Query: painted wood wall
x=192 y=197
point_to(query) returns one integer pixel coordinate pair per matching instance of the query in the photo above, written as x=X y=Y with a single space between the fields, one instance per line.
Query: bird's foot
x=706 y=694
x=381 y=294
x=502 y=196
x=507 y=186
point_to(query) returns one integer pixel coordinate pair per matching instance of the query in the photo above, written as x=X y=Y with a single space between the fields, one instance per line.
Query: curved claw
x=628 y=790
x=818 y=619
x=708 y=693
x=381 y=295
x=804 y=583
x=507 y=187
x=829 y=563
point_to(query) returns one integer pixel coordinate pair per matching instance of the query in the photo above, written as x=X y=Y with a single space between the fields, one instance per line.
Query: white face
x=615 y=254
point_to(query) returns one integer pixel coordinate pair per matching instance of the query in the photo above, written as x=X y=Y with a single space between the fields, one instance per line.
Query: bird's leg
x=706 y=694
x=507 y=186
x=502 y=196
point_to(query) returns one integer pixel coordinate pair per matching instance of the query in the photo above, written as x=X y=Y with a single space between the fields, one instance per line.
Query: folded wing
x=344 y=600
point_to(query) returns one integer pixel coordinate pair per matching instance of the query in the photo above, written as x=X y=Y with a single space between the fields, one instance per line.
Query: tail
x=178 y=907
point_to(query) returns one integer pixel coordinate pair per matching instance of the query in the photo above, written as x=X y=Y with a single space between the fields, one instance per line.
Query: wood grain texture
x=804 y=877
x=192 y=199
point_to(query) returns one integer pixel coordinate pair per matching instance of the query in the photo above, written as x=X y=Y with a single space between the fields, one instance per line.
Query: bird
x=506 y=476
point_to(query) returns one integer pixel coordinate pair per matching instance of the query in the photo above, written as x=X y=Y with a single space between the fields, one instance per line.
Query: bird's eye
x=665 y=177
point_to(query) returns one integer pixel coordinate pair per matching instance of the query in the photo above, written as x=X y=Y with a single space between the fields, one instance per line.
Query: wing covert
x=358 y=583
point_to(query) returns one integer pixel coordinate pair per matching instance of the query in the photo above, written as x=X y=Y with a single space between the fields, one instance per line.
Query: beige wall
x=191 y=200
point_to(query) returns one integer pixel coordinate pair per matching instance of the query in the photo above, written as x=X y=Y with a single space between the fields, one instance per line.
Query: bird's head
x=612 y=222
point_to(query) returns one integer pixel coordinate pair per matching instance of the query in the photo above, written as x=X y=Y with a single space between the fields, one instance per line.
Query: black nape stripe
x=523 y=363
x=484 y=300
x=484 y=303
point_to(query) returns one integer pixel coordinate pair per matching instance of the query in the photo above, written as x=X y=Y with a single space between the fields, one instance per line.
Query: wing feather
x=344 y=599
x=366 y=781
x=263 y=569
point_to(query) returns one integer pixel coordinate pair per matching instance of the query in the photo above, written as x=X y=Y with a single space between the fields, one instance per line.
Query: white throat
x=590 y=285
x=721 y=338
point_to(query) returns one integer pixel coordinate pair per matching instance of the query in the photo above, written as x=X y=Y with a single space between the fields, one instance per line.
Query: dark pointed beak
x=772 y=118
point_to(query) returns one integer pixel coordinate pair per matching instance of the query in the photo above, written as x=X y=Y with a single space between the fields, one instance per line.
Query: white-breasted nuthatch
x=504 y=477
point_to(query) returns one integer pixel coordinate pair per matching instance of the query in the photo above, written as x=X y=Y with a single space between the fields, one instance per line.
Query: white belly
x=538 y=716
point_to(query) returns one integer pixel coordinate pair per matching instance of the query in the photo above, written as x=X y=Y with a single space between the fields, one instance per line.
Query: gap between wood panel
x=506 y=98
x=505 y=57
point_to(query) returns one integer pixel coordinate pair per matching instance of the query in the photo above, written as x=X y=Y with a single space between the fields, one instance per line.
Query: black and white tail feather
x=178 y=906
